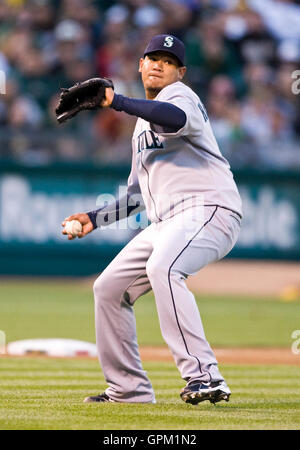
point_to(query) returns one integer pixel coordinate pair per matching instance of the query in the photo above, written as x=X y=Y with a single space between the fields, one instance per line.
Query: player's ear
x=181 y=72
x=141 y=64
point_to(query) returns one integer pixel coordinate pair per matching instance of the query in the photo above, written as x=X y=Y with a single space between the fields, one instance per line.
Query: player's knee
x=96 y=287
x=107 y=289
x=101 y=288
x=156 y=270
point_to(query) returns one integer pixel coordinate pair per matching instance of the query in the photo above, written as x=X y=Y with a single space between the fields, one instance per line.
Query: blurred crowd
x=241 y=57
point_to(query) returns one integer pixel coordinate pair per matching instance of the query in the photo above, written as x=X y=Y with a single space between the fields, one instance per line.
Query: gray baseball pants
x=160 y=258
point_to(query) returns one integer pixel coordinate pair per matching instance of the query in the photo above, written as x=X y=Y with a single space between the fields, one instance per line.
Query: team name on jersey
x=148 y=140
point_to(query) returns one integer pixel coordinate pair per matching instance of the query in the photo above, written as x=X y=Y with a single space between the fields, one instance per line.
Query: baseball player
x=180 y=177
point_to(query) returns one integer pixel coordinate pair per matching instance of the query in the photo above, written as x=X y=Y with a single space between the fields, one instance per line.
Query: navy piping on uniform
x=231 y=215
x=159 y=219
x=173 y=300
x=228 y=209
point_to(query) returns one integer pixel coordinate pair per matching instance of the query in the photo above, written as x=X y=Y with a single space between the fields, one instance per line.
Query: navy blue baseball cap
x=167 y=43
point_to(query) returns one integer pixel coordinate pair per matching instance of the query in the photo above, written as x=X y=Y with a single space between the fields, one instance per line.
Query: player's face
x=159 y=69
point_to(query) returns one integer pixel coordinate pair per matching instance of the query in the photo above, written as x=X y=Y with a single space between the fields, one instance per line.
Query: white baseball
x=73 y=227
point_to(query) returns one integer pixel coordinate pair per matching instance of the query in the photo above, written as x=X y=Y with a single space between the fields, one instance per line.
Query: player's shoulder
x=177 y=89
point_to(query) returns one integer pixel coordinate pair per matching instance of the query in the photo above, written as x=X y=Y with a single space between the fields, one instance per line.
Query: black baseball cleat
x=197 y=391
x=98 y=398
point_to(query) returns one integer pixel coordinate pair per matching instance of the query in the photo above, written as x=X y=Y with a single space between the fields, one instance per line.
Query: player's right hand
x=85 y=221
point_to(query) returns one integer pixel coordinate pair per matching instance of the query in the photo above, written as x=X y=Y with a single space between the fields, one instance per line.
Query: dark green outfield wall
x=34 y=201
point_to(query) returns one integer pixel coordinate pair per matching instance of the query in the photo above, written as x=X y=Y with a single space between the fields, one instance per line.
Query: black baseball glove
x=82 y=96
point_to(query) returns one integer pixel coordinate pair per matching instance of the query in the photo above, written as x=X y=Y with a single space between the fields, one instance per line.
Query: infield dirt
x=250 y=356
x=245 y=277
x=232 y=355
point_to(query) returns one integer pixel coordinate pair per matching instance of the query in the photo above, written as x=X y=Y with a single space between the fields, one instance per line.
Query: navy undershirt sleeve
x=164 y=114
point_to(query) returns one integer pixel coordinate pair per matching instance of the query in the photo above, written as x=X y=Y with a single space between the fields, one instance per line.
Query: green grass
x=47 y=394
x=65 y=310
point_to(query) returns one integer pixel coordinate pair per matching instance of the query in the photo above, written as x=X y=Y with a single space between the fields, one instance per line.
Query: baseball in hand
x=73 y=227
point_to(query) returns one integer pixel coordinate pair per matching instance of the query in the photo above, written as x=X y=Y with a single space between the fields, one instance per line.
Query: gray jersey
x=181 y=168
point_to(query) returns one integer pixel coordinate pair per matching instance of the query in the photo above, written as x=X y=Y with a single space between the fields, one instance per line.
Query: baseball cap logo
x=169 y=41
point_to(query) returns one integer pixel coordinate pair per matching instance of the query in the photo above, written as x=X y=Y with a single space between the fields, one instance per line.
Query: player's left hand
x=85 y=221
x=87 y=95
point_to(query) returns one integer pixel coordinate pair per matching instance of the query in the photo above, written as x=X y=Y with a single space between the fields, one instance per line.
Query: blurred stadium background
x=241 y=57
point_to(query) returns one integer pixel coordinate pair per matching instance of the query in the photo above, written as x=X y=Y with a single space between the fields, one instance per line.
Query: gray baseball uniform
x=195 y=209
